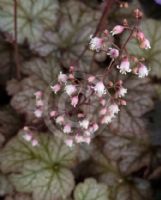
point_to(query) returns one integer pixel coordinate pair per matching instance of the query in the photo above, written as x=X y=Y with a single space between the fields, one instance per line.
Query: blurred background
x=51 y=36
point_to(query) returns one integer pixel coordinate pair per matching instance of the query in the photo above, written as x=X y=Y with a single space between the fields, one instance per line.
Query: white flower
x=74 y=101
x=69 y=142
x=70 y=89
x=121 y=92
x=142 y=71
x=79 y=139
x=27 y=137
x=96 y=44
x=59 y=120
x=38 y=113
x=100 y=88
x=113 y=109
x=91 y=79
x=55 y=88
x=67 y=128
x=117 y=30
x=93 y=128
x=145 y=44
x=62 y=78
x=84 y=123
x=124 y=66
x=106 y=119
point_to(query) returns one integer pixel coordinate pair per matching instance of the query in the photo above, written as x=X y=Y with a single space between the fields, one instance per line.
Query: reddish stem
x=16 y=50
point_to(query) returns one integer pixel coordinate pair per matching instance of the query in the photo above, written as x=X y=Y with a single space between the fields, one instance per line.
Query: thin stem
x=16 y=50
x=100 y=24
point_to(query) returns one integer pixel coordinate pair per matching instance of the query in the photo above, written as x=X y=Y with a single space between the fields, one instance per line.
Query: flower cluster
x=94 y=100
x=119 y=54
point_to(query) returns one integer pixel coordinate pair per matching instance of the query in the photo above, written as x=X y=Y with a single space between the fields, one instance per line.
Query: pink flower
x=39 y=103
x=140 y=36
x=84 y=123
x=124 y=66
x=117 y=30
x=113 y=53
x=103 y=102
x=56 y=88
x=145 y=44
x=103 y=111
x=62 y=78
x=100 y=88
x=34 y=142
x=87 y=140
x=142 y=71
x=96 y=44
x=53 y=113
x=70 y=89
x=59 y=120
x=74 y=101
x=79 y=139
x=67 y=128
x=38 y=113
x=91 y=79
x=69 y=142
x=121 y=92
x=38 y=94
x=93 y=128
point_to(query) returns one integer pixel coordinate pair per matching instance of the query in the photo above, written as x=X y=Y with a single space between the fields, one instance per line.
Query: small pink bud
x=53 y=113
x=79 y=139
x=117 y=30
x=113 y=53
x=145 y=44
x=38 y=113
x=103 y=102
x=27 y=137
x=56 y=88
x=39 y=103
x=69 y=142
x=62 y=78
x=123 y=102
x=59 y=120
x=74 y=101
x=103 y=111
x=34 y=142
x=67 y=128
x=91 y=79
x=38 y=94
x=140 y=36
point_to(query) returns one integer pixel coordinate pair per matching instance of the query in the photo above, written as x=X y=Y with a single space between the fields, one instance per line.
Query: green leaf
x=152 y=30
x=5 y=185
x=45 y=183
x=18 y=196
x=42 y=170
x=34 y=17
x=67 y=41
x=130 y=120
x=91 y=190
x=41 y=75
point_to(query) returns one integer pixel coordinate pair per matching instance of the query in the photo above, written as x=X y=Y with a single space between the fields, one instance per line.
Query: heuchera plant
x=95 y=90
